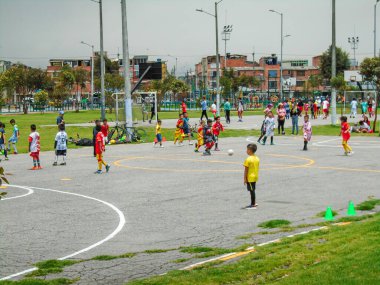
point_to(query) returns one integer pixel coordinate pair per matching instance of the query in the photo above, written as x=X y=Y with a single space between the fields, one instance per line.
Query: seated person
x=364 y=128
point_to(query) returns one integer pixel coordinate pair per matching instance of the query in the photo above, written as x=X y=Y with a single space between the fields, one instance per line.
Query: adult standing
x=60 y=119
x=204 y=108
x=294 y=114
x=240 y=109
x=281 y=113
x=152 y=111
x=227 y=110
x=364 y=107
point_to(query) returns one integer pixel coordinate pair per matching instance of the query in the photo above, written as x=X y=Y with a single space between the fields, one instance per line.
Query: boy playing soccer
x=251 y=173
x=199 y=137
x=345 y=132
x=60 y=145
x=216 y=129
x=3 y=148
x=34 y=147
x=158 y=134
x=179 y=135
x=208 y=137
x=99 y=149
x=104 y=130
x=14 y=138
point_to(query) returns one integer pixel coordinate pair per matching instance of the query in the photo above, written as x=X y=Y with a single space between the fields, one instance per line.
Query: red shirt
x=217 y=128
x=104 y=129
x=184 y=107
x=99 y=143
x=345 y=131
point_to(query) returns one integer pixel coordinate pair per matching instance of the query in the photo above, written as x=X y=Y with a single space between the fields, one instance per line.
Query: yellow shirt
x=158 y=129
x=253 y=164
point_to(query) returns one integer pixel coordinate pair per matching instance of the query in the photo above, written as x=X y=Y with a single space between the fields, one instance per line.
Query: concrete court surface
x=169 y=197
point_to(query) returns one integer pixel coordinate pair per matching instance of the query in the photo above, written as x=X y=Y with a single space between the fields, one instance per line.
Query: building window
x=272 y=84
x=301 y=73
x=300 y=83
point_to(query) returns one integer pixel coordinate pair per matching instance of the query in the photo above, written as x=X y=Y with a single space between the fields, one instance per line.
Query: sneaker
x=63 y=163
x=180 y=144
x=98 y=172
x=154 y=144
x=6 y=158
x=259 y=141
x=161 y=146
x=195 y=150
x=206 y=153
x=345 y=153
x=55 y=164
x=108 y=167
x=262 y=143
x=191 y=143
x=15 y=153
x=271 y=143
x=39 y=167
x=250 y=207
x=34 y=168
x=217 y=149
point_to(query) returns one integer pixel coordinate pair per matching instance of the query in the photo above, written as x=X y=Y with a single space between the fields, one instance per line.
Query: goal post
x=368 y=95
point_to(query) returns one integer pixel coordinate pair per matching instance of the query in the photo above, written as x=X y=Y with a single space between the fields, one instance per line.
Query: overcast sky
x=32 y=31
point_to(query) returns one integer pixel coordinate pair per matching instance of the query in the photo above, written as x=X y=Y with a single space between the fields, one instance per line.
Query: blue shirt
x=204 y=105
x=15 y=131
x=185 y=123
x=2 y=132
x=59 y=120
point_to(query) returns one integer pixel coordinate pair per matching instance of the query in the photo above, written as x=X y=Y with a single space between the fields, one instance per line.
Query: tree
x=80 y=78
x=113 y=82
x=59 y=94
x=342 y=62
x=370 y=69
x=340 y=85
x=315 y=81
x=41 y=97
x=109 y=66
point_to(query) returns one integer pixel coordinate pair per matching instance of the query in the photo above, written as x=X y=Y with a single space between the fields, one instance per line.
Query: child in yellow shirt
x=158 y=134
x=199 y=136
x=251 y=173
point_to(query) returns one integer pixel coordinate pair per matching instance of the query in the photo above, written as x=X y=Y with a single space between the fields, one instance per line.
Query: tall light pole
x=227 y=30
x=374 y=30
x=176 y=62
x=282 y=44
x=333 y=65
x=127 y=80
x=102 y=66
x=92 y=73
x=217 y=52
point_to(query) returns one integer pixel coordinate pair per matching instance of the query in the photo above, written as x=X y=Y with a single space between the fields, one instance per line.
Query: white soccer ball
x=230 y=152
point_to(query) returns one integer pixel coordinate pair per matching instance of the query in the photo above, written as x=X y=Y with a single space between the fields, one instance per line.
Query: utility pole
x=374 y=30
x=333 y=65
x=127 y=80
x=102 y=67
x=92 y=73
x=217 y=59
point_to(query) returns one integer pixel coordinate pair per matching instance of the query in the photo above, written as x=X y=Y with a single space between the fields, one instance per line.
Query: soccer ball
x=230 y=152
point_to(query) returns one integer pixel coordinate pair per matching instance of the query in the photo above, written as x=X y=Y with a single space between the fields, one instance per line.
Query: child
x=179 y=135
x=287 y=109
x=240 y=110
x=14 y=138
x=34 y=147
x=158 y=134
x=60 y=145
x=94 y=134
x=213 y=110
x=315 y=108
x=3 y=148
x=199 y=137
x=345 y=132
x=269 y=128
x=216 y=129
x=186 y=127
x=208 y=138
x=307 y=131
x=104 y=130
x=263 y=131
x=99 y=149
x=251 y=173
x=306 y=108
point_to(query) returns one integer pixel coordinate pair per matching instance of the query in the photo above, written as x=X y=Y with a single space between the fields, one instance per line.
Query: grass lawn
x=340 y=255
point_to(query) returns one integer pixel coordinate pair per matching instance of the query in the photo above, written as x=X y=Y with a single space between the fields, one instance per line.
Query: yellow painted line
x=3 y=187
x=236 y=255
x=66 y=179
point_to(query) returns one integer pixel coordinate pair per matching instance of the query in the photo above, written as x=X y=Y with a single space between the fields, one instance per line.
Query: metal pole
x=282 y=44
x=155 y=105
x=333 y=65
x=374 y=30
x=176 y=62
x=117 y=109
x=217 y=59
x=102 y=67
x=92 y=78
x=127 y=80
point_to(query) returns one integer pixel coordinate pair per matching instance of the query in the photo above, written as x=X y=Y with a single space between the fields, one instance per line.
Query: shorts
x=13 y=139
x=35 y=155
x=159 y=137
x=60 y=152
x=251 y=186
x=186 y=130
x=2 y=146
x=325 y=110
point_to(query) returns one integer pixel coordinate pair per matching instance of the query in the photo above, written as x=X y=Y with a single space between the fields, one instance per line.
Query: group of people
x=227 y=109
x=366 y=107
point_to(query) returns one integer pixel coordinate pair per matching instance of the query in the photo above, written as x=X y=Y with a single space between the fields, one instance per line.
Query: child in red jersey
x=345 y=133
x=179 y=134
x=216 y=129
x=199 y=143
x=104 y=129
x=208 y=137
x=34 y=147
x=99 y=149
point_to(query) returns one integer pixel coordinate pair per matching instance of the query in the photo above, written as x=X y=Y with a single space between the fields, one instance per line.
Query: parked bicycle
x=124 y=134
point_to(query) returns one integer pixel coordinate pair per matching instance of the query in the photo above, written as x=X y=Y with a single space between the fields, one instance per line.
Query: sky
x=33 y=31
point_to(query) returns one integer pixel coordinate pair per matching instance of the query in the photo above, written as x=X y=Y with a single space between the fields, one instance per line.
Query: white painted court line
x=110 y=236
x=30 y=191
x=249 y=249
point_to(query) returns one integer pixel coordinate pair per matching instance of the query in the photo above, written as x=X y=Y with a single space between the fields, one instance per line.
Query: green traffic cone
x=351 y=209
x=329 y=214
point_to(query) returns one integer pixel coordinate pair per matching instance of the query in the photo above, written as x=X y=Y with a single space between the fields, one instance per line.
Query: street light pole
x=176 y=62
x=217 y=53
x=333 y=65
x=127 y=79
x=374 y=31
x=92 y=73
x=102 y=67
